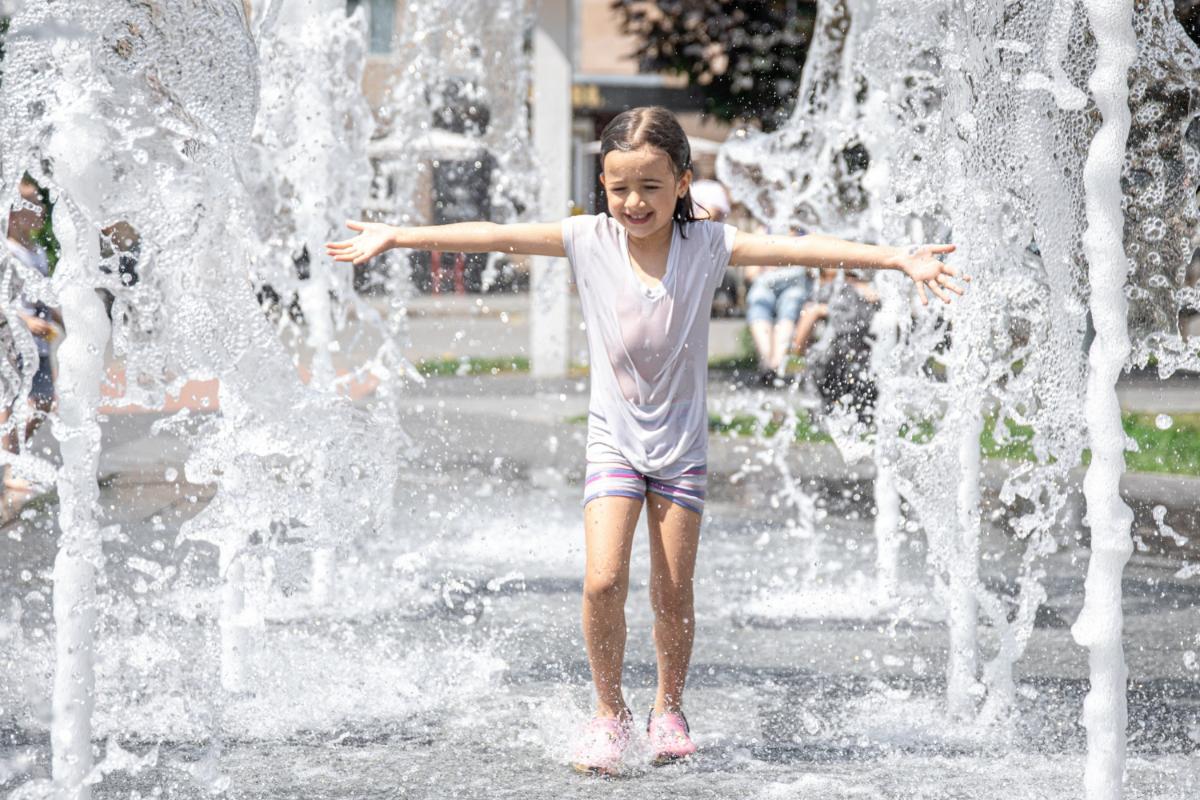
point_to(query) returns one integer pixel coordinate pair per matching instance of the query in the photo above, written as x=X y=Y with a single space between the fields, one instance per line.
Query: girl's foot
x=602 y=746
x=670 y=739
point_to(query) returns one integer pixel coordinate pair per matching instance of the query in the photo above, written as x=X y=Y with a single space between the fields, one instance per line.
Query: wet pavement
x=449 y=661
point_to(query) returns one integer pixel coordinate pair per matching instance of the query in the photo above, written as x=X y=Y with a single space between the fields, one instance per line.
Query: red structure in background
x=435 y=272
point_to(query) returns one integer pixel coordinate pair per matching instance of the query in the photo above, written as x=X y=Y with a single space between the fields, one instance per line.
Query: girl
x=646 y=273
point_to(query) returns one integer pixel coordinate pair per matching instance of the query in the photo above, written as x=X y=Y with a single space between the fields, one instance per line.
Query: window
x=381 y=21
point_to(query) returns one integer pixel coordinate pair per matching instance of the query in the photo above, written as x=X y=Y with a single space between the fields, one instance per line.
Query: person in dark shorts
x=839 y=362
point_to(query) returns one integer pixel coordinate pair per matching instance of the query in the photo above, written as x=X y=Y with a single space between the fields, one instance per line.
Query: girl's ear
x=685 y=183
x=603 y=182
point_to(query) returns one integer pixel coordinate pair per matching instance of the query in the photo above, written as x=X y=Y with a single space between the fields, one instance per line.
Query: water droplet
x=1163 y=422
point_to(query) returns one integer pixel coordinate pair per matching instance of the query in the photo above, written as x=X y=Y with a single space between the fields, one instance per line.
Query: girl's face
x=642 y=189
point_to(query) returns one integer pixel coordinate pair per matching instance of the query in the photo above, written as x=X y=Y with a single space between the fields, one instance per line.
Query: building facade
x=606 y=81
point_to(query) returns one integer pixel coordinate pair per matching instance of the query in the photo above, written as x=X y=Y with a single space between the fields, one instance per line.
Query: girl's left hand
x=372 y=239
x=920 y=263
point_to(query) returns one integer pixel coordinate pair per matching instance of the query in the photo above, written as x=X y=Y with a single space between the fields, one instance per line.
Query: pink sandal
x=602 y=746
x=670 y=738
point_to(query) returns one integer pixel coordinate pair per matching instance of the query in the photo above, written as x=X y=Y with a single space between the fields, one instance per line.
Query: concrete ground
x=449 y=662
x=497 y=326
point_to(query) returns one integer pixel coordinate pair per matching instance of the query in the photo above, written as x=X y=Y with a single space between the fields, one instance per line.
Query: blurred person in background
x=24 y=223
x=773 y=304
x=839 y=361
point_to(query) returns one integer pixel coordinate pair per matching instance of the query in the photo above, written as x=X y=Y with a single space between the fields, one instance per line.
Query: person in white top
x=646 y=272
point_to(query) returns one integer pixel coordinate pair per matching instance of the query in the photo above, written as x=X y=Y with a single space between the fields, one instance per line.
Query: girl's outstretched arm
x=530 y=239
x=814 y=250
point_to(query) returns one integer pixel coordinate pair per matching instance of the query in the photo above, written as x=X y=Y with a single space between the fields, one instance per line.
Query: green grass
x=1174 y=451
x=747 y=425
x=445 y=367
x=475 y=365
x=738 y=363
x=1016 y=447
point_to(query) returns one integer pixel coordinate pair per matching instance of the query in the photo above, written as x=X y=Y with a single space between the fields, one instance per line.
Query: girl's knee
x=671 y=599
x=603 y=587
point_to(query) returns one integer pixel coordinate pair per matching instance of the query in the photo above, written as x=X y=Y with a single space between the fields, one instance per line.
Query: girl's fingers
x=938 y=293
x=355 y=225
x=922 y=295
x=945 y=280
x=941 y=248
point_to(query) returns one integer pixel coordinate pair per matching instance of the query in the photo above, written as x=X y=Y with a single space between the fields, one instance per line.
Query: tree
x=744 y=56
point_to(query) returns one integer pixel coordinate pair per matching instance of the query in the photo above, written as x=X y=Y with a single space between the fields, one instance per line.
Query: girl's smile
x=642 y=189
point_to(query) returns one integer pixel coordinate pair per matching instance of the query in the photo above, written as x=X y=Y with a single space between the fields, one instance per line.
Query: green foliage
x=44 y=236
x=744 y=56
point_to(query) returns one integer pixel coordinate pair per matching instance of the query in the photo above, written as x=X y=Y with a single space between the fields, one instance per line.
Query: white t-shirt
x=648 y=346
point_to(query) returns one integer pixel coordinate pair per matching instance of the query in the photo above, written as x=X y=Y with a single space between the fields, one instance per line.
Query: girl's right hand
x=373 y=238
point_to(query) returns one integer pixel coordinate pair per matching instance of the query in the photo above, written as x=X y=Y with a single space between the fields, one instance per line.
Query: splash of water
x=976 y=124
x=115 y=107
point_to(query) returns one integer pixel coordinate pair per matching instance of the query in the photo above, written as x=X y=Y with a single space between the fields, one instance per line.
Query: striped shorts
x=622 y=480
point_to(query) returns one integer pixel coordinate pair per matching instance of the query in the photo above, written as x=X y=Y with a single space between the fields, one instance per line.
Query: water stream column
x=550 y=300
x=80 y=371
x=1100 y=624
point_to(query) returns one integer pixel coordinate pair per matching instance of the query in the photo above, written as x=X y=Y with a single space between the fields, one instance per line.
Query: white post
x=887 y=535
x=962 y=670
x=235 y=635
x=1100 y=624
x=550 y=302
x=81 y=369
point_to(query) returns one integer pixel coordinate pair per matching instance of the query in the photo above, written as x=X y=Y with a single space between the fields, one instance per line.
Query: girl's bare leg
x=609 y=524
x=674 y=539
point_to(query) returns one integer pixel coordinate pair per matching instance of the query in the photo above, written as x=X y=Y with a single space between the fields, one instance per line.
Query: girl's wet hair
x=652 y=126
